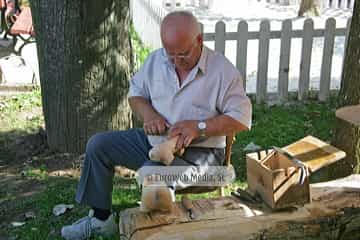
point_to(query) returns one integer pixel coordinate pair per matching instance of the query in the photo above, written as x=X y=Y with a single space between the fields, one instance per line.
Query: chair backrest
x=229 y=143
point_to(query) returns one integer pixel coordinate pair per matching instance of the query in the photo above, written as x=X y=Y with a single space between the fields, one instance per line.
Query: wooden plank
x=263 y=59
x=314 y=153
x=334 y=213
x=285 y=47
x=220 y=37
x=325 y=75
x=241 y=50
x=259 y=179
x=289 y=183
x=349 y=114
x=293 y=194
x=305 y=61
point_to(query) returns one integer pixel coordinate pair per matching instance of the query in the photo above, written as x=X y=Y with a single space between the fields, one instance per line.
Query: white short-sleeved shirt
x=213 y=87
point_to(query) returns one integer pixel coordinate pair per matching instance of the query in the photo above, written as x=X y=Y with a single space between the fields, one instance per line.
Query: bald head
x=182 y=39
x=179 y=25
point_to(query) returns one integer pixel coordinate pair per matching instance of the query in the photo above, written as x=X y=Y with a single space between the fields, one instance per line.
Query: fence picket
x=241 y=50
x=332 y=3
x=344 y=4
x=284 y=60
x=220 y=37
x=351 y=4
x=263 y=59
x=305 y=61
x=345 y=44
x=325 y=74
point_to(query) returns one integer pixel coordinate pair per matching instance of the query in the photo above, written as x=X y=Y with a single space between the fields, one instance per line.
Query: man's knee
x=97 y=143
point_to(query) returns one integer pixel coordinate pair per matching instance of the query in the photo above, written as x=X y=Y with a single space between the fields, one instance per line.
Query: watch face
x=202 y=125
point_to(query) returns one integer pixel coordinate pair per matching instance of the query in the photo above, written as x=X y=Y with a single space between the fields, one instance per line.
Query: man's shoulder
x=156 y=55
x=153 y=61
x=219 y=62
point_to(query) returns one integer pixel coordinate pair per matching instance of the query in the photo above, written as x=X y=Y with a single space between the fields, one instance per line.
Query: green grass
x=13 y=109
x=19 y=115
x=61 y=190
x=277 y=125
x=272 y=126
x=281 y=125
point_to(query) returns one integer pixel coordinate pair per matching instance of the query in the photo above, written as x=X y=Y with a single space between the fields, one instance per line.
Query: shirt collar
x=201 y=63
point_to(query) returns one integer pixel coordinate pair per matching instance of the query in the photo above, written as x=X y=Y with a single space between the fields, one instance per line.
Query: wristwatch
x=202 y=128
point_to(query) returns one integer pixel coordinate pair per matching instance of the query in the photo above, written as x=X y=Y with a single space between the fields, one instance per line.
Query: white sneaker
x=88 y=226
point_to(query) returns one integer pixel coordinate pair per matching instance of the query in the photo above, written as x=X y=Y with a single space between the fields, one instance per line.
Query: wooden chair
x=16 y=22
x=206 y=189
x=10 y=10
x=23 y=25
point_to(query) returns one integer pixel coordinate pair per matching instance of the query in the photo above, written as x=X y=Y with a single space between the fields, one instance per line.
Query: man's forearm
x=141 y=107
x=223 y=125
x=153 y=122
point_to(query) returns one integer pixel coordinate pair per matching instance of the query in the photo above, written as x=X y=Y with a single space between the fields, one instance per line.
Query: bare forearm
x=223 y=125
x=153 y=122
x=142 y=108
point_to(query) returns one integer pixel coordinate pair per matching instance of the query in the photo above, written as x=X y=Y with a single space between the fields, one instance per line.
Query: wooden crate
x=276 y=177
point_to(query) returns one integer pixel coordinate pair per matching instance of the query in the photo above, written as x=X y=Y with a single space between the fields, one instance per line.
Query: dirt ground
x=24 y=159
x=22 y=155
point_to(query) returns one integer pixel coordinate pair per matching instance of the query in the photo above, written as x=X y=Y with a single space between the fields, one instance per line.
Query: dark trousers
x=129 y=149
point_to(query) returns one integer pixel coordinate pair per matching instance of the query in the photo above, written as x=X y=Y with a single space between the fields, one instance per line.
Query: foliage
x=140 y=51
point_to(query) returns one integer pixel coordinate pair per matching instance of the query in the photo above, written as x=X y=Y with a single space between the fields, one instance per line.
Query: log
x=349 y=114
x=334 y=213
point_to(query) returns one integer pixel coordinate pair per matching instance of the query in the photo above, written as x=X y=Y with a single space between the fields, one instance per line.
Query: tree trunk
x=333 y=214
x=85 y=62
x=312 y=7
x=347 y=136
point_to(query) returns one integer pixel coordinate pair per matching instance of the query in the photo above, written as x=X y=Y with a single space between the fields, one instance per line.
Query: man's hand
x=155 y=124
x=187 y=131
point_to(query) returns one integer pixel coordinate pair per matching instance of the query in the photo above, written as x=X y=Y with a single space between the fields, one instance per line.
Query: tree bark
x=312 y=7
x=85 y=63
x=347 y=136
x=333 y=214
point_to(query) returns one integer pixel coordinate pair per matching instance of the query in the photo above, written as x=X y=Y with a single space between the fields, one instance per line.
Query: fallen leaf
x=61 y=209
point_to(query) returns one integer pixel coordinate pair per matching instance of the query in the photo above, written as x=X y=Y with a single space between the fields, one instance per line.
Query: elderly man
x=183 y=89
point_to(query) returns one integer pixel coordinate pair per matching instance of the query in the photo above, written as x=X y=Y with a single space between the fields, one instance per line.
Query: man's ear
x=200 y=39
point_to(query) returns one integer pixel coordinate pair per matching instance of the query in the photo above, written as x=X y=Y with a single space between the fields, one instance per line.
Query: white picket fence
x=148 y=27
x=340 y=4
x=307 y=34
x=343 y=4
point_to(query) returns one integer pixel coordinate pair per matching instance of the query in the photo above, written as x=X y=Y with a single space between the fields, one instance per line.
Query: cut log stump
x=334 y=213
